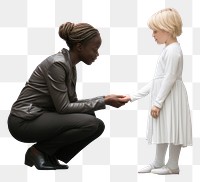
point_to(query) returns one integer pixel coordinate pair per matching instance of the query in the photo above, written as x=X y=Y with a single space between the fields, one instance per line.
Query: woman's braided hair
x=77 y=33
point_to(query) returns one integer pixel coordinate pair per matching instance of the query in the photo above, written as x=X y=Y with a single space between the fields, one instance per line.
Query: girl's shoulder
x=173 y=49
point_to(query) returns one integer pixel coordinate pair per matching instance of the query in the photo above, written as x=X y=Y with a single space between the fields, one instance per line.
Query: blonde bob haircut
x=167 y=19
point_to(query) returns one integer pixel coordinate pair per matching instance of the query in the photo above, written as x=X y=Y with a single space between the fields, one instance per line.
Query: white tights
x=174 y=152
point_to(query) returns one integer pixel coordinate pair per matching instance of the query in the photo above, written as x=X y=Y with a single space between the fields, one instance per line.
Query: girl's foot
x=148 y=168
x=165 y=171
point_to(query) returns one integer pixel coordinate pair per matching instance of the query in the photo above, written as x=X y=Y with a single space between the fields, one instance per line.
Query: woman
x=47 y=110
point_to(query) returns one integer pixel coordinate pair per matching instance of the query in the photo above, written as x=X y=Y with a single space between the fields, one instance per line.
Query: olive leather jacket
x=52 y=88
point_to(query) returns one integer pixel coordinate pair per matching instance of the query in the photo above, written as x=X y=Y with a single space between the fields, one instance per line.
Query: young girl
x=169 y=121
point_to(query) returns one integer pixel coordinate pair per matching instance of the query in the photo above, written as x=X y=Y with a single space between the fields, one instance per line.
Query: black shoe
x=38 y=159
x=56 y=163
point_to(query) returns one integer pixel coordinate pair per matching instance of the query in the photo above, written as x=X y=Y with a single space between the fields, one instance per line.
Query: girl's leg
x=159 y=159
x=160 y=155
x=172 y=165
x=174 y=152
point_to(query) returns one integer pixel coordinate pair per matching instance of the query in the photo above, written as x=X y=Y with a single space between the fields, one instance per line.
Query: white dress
x=168 y=92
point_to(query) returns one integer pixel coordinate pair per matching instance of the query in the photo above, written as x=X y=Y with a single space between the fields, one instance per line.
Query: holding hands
x=120 y=100
x=116 y=100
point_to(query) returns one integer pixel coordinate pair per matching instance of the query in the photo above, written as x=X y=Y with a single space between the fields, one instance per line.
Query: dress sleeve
x=59 y=93
x=172 y=58
x=144 y=91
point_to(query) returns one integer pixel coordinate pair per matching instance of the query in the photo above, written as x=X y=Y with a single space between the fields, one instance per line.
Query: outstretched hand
x=126 y=98
x=115 y=100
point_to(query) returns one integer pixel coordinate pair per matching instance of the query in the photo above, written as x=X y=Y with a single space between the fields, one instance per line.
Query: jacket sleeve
x=59 y=93
x=170 y=72
x=144 y=91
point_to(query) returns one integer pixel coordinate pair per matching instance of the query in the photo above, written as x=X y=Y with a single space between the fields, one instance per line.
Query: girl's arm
x=173 y=58
x=144 y=91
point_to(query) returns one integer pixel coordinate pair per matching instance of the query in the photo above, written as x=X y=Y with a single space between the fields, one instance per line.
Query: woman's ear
x=79 y=46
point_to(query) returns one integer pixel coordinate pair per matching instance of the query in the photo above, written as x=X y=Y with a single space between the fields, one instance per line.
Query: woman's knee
x=101 y=125
x=94 y=124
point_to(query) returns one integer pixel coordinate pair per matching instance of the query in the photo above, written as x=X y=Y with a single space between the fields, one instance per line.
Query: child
x=169 y=121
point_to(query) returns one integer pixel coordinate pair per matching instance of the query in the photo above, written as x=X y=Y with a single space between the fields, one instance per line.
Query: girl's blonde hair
x=167 y=19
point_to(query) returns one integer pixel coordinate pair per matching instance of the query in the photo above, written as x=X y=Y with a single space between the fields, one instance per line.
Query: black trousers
x=61 y=135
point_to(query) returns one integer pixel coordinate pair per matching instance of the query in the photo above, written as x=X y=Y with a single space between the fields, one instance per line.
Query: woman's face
x=161 y=36
x=89 y=50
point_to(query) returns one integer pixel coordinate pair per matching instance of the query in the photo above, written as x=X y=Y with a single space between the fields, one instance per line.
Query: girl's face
x=161 y=36
x=89 y=50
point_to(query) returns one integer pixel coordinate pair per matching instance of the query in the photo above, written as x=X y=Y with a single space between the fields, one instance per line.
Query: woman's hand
x=115 y=100
x=155 y=111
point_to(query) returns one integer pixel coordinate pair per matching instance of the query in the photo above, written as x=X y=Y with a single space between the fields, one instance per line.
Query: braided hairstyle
x=77 y=33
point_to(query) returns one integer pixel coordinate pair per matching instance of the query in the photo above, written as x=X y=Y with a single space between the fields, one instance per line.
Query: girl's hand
x=155 y=111
x=126 y=98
